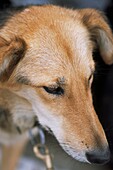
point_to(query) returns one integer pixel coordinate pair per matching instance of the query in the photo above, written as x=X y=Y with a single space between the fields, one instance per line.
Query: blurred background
x=102 y=90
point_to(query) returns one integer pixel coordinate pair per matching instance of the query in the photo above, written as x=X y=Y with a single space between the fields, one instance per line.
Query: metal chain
x=45 y=156
x=40 y=149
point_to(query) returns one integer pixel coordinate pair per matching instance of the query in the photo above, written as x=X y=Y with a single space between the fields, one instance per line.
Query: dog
x=46 y=57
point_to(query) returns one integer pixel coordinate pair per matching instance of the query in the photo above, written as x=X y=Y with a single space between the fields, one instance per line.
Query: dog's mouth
x=80 y=156
x=95 y=156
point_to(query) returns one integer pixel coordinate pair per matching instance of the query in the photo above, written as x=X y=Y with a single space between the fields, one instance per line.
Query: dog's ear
x=11 y=52
x=100 y=32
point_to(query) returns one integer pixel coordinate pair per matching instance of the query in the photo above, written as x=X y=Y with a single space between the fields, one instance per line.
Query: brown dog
x=46 y=58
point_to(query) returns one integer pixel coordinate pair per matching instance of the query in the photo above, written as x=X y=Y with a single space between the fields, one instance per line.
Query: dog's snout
x=98 y=157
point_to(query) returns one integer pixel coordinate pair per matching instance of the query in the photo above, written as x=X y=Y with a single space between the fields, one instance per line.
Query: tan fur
x=16 y=117
x=15 y=112
x=11 y=155
x=52 y=47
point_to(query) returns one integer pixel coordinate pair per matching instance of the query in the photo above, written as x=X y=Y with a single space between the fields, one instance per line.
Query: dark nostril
x=98 y=157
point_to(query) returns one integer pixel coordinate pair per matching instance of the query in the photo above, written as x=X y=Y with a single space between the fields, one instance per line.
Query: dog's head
x=50 y=64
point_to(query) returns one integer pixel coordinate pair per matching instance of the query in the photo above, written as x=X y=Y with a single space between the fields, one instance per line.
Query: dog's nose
x=98 y=157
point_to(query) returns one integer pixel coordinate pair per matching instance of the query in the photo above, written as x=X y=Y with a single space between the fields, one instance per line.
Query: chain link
x=40 y=149
x=42 y=152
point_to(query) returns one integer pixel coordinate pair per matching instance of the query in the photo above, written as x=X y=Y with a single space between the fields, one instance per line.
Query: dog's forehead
x=54 y=49
x=60 y=43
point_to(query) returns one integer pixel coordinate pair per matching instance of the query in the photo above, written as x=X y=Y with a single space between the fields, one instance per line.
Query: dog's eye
x=54 y=90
